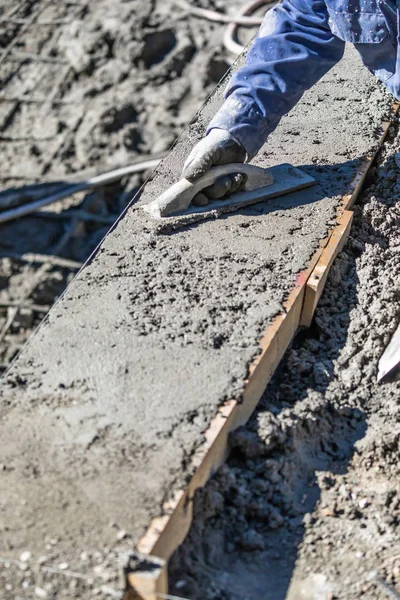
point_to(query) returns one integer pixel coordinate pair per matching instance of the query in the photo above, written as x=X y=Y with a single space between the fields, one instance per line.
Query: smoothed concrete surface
x=103 y=409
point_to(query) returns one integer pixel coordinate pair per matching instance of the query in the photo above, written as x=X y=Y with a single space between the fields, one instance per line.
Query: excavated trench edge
x=148 y=579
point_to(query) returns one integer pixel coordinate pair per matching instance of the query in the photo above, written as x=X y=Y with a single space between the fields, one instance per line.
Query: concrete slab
x=107 y=403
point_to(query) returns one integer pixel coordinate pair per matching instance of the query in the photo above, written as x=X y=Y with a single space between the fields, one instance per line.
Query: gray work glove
x=219 y=147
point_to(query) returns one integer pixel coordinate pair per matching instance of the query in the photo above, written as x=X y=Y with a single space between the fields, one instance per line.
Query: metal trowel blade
x=390 y=359
x=286 y=179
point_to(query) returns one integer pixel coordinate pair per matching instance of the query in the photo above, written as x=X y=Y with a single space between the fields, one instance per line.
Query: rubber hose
x=241 y=19
x=230 y=32
x=69 y=190
x=217 y=17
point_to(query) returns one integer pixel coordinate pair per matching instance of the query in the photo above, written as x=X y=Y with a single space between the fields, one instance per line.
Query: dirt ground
x=312 y=485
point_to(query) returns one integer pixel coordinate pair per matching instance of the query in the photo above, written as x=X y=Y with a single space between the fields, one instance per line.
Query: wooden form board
x=148 y=585
x=167 y=532
x=319 y=275
x=337 y=238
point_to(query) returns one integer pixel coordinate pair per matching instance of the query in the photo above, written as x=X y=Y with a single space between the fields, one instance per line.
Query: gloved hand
x=219 y=147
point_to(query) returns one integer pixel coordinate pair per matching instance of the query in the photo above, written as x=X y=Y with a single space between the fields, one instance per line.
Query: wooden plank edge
x=350 y=199
x=338 y=236
x=148 y=582
x=318 y=277
x=168 y=531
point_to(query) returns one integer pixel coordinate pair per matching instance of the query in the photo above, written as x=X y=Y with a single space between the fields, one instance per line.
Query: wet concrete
x=106 y=404
x=308 y=504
